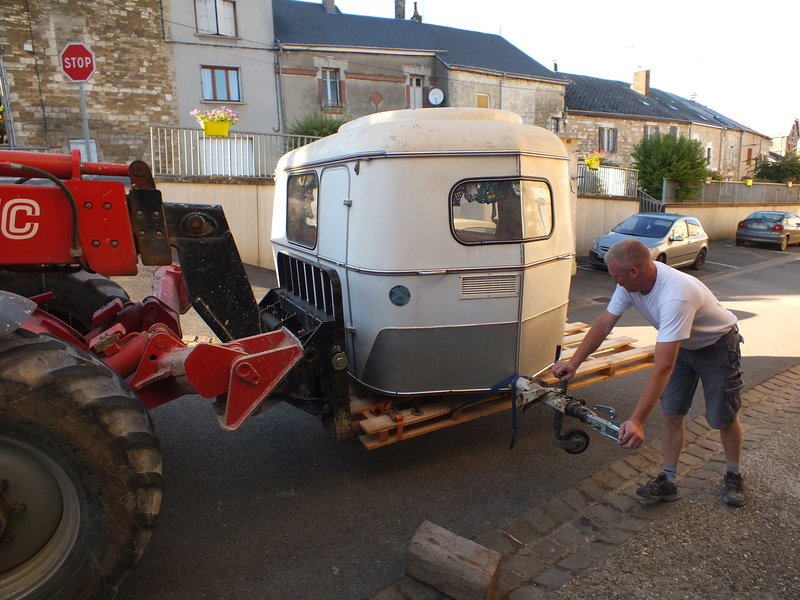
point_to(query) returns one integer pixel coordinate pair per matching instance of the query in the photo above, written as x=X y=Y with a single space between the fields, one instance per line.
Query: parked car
x=769 y=227
x=676 y=240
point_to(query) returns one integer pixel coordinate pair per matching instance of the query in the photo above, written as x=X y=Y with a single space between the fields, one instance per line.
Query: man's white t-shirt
x=680 y=307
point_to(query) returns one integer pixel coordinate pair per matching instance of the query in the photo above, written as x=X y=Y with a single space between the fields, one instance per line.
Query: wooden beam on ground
x=451 y=564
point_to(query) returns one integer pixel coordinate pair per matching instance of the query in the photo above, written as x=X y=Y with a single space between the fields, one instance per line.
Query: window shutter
x=206 y=16
x=227 y=18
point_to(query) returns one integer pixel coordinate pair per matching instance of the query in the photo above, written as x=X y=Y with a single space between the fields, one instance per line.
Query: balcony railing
x=179 y=151
x=737 y=192
x=607 y=181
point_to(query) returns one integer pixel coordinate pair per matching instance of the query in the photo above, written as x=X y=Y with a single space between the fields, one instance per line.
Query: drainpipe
x=279 y=89
x=739 y=162
x=501 y=90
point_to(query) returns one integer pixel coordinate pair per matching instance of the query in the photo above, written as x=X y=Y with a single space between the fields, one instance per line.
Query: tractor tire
x=77 y=295
x=80 y=472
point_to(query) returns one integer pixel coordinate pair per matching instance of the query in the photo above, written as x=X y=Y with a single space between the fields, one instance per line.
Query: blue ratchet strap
x=512 y=381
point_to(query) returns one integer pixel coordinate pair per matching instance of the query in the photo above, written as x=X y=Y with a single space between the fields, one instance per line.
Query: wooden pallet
x=382 y=422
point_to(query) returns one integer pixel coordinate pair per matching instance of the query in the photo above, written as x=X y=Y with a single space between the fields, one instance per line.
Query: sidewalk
x=599 y=540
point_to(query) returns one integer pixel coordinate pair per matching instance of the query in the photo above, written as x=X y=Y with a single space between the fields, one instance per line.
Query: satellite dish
x=436 y=96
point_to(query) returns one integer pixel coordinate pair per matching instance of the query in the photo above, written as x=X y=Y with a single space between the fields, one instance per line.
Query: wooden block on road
x=455 y=566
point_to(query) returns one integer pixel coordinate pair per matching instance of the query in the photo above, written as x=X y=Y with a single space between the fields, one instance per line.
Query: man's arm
x=565 y=369
x=631 y=432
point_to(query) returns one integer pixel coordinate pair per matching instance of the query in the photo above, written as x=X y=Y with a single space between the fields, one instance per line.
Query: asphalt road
x=279 y=510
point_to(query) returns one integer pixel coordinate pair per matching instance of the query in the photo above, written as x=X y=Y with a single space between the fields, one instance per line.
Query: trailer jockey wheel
x=80 y=472
x=575 y=441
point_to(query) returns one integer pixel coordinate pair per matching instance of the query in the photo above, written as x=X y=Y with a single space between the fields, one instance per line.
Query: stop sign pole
x=78 y=64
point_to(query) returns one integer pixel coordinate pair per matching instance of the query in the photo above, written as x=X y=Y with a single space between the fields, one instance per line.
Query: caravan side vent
x=489 y=286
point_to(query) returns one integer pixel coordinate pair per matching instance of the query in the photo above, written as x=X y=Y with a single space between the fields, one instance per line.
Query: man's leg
x=731 y=437
x=672 y=439
x=663 y=487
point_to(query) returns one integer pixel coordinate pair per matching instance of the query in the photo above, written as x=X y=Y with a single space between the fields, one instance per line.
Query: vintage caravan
x=447 y=234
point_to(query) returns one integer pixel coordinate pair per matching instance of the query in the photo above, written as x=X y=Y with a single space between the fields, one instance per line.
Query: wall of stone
x=535 y=101
x=384 y=78
x=728 y=146
x=131 y=88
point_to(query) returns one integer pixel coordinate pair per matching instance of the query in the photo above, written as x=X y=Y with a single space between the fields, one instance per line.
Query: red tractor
x=80 y=364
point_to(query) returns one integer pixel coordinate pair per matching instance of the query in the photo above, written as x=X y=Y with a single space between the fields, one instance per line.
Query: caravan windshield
x=501 y=210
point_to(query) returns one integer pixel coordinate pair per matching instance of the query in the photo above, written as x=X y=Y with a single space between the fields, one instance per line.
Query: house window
x=216 y=17
x=415 y=91
x=608 y=139
x=220 y=84
x=651 y=130
x=555 y=124
x=730 y=154
x=331 y=98
x=673 y=130
x=708 y=155
x=482 y=101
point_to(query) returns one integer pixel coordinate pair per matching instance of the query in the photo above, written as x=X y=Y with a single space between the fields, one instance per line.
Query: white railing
x=738 y=192
x=607 y=181
x=178 y=151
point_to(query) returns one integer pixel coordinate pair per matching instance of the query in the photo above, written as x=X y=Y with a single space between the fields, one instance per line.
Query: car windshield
x=644 y=226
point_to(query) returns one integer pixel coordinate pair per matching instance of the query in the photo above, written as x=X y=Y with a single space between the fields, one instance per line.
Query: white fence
x=607 y=181
x=738 y=192
x=177 y=151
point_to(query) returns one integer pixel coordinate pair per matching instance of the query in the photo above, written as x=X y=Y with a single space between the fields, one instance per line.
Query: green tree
x=782 y=171
x=665 y=156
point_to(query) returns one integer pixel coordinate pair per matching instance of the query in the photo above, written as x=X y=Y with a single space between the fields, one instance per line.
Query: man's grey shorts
x=718 y=366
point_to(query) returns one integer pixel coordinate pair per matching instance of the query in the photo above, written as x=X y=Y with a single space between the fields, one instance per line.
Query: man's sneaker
x=734 y=489
x=659 y=489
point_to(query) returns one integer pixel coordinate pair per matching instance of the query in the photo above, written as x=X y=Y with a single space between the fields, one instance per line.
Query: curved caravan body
x=447 y=234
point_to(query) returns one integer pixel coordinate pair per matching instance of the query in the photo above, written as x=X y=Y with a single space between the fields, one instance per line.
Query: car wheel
x=662 y=258
x=700 y=260
x=784 y=243
x=740 y=242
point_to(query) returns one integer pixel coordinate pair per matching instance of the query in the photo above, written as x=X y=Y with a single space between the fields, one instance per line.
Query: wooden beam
x=451 y=564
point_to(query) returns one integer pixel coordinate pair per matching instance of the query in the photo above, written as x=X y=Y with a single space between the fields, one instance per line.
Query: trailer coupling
x=529 y=392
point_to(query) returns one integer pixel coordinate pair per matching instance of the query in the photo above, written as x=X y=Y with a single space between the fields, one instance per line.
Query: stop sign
x=77 y=62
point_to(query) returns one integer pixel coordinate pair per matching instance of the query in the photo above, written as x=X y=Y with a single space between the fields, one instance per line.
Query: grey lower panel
x=441 y=358
x=539 y=340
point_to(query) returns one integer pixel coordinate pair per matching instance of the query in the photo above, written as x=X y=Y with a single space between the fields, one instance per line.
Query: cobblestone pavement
x=599 y=540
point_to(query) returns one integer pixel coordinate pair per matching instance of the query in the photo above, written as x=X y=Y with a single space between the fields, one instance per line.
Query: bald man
x=698 y=340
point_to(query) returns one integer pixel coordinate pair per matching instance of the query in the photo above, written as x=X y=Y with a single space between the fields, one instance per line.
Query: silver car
x=676 y=240
x=769 y=227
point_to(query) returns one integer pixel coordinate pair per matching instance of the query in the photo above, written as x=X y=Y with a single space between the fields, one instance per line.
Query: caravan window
x=501 y=210
x=301 y=209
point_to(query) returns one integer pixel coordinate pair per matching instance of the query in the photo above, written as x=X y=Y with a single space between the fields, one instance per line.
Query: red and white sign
x=77 y=62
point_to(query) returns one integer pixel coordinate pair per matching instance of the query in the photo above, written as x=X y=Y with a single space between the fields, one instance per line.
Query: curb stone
x=547 y=546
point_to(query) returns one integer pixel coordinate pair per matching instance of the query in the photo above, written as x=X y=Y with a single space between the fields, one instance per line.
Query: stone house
x=353 y=65
x=133 y=86
x=614 y=116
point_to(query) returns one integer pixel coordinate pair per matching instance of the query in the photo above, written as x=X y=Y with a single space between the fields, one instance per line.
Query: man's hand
x=564 y=370
x=631 y=434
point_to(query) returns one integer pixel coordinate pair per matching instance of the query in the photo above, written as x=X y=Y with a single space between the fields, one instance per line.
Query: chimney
x=641 y=83
x=400 y=9
x=416 y=16
x=329 y=5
